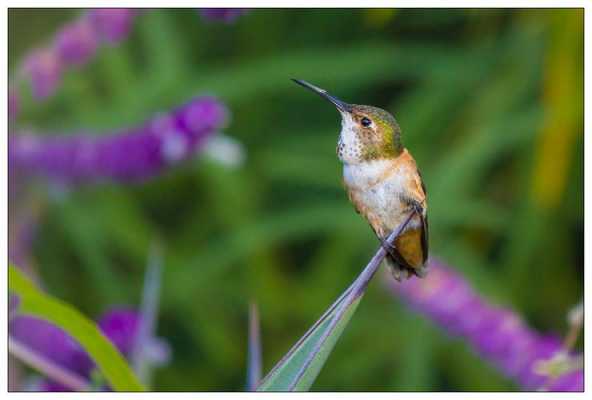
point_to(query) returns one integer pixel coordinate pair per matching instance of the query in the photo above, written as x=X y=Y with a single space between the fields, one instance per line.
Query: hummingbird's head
x=367 y=133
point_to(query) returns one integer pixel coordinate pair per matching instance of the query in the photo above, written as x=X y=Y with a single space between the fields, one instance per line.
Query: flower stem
x=148 y=313
x=254 y=355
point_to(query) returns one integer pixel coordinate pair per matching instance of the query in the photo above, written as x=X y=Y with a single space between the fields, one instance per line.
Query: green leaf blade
x=286 y=372
x=313 y=370
x=107 y=358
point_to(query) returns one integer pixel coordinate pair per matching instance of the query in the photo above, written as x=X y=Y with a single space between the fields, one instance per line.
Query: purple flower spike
x=44 y=69
x=120 y=325
x=51 y=342
x=76 y=43
x=498 y=335
x=227 y=15
x=112 y=24
x=130 y=155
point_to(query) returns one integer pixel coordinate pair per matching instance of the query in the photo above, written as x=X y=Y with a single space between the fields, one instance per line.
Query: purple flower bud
x=44 y=69
x=120 y=325
x=227 y=15
x=76 y=43
x=112 y=24
x=497 y=334
x=133 y=154
x=51 y=342
x=196 y=117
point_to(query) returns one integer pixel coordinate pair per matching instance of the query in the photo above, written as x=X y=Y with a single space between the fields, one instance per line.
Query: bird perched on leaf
x=383 y=182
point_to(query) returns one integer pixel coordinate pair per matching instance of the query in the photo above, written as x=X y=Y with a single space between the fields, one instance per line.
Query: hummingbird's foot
x=413 y=205
x=418 y=208
x=390 y=249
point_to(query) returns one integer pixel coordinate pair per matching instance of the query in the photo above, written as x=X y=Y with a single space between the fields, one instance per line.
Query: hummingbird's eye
x=366 y=122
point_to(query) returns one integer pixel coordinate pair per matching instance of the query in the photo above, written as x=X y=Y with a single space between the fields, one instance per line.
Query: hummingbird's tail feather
x=421 y=272
x=407 y=255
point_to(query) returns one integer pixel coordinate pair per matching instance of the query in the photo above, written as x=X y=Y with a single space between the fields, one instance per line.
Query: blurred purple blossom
x=120 y=325
x=570 y=382
x=227 y=15
x=50 y=341
x=74 y=45
x=77 y=42
x=44 y=69
x=112 y=24
x=497 y=334
x=133 y=154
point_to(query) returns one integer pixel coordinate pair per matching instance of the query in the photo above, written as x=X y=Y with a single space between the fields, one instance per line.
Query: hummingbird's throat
x=349 y=146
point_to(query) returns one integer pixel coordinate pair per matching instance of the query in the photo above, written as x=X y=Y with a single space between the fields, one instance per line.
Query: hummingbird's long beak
x=341 y=106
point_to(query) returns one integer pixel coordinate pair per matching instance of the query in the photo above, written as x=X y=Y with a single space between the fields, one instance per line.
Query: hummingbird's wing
x=424 y=237
x=410 y=251
x=411 y=247
x=424 y=221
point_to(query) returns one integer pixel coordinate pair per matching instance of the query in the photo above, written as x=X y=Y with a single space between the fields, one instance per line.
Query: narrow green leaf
x=311 y=373
x=109 y=361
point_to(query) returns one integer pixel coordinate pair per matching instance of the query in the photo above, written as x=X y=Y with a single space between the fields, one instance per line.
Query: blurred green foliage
x=491 y=106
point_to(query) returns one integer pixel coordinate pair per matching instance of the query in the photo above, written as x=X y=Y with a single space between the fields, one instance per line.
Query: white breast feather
x=383 y=198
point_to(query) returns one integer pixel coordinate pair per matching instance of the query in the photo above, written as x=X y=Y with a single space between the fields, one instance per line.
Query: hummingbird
x=383 y=182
